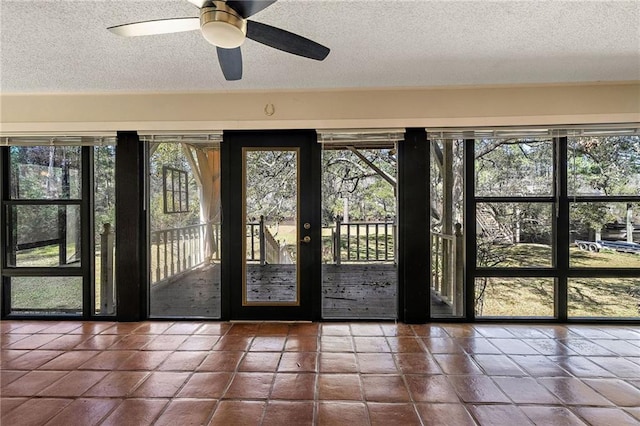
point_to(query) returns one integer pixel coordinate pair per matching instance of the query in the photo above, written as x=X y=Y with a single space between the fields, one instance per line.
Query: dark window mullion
x=516 y=272
x=43 y=271
x=43 y=202
x=497 y=199
x=562 y=226
x=470 y=227
x=5 y=288
x=87 y=236
x=604 y=199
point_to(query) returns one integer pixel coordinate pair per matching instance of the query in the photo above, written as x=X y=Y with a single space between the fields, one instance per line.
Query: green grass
x=589 y=297
x=56 y=294
x=47 y=293
x=604 y=297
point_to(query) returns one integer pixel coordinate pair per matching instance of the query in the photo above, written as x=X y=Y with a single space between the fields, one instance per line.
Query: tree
x=349 y=180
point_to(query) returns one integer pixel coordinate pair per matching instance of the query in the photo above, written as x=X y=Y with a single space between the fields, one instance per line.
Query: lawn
x=587 y=297
x=592 y=297
x=56 y=294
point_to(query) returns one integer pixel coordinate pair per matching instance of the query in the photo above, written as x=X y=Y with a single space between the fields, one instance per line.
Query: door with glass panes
x=273 y=235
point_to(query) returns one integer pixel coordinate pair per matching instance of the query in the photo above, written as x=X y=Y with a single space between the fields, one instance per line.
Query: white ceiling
x=58 y=46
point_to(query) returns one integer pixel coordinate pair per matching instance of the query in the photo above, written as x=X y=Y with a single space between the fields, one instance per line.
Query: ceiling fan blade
x=230 y=62
x=198 y=3
x=286 y=41
x=248 y=8
x=158 y=26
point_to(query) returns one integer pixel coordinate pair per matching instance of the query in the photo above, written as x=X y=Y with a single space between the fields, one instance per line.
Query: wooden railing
x=262 y=246
x=177 y=250
x=447 y=265
x=363 y=241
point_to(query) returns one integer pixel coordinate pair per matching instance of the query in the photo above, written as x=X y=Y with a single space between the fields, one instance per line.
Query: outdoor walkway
x=178 y=373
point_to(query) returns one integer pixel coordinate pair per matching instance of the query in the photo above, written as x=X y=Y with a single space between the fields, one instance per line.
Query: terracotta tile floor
x=90 y=373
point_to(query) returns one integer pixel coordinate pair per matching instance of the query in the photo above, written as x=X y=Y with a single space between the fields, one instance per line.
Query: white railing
x=447 y=268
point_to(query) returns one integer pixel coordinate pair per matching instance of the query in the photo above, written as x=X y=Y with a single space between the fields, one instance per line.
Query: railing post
x=459 y=271
x=438 y=265
x=263 y=246
x=447 y=268
x=157 y=241
x=336 y=248
x=106 y=271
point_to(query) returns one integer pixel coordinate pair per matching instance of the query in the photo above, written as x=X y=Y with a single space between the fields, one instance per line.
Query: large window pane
x=46 y=295
x=514 y=297
x=604 y=297
x=185 y=245
x=446 y=215
x=271 y=206
x=45 y=172
x=514 y=235
x=44 y=236
x=104 y=210
x=359 y=272
x=514 y=167
x=604 y=235
x=604 y=165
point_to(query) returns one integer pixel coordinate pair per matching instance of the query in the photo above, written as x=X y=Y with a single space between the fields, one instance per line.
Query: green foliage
x=604 y=165
x=170 y=154
x=271 y=185
x=348 y=180
x=105 y=188
x=514 y=167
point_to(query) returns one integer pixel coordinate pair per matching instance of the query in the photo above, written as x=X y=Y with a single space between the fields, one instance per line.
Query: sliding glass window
x=514 y=208
x=446 y=213
x=604 y=223
x=50 y=264
x=42 y=271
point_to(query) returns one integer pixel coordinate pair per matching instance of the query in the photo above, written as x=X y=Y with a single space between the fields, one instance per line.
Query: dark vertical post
x=87 y=242
x=226 y=223
x=562 y=228
x=413 y=226
x=470 y=226
x=4 y=234
x=263 y=243
x=62 y=210
x=131 y=229
x=315 y=190
x=337 y=251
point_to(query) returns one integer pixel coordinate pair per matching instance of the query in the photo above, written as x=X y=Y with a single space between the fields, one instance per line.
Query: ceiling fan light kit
x=222 y=26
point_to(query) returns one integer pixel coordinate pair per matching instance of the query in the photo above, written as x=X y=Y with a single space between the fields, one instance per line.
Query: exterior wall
x=326 y=109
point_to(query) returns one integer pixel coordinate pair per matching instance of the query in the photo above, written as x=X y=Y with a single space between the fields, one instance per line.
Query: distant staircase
x=491 y=228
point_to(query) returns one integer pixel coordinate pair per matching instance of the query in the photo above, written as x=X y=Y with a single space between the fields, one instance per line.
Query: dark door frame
x=309 y=211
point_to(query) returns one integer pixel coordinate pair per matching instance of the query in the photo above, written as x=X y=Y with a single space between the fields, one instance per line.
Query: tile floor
x=181 y=373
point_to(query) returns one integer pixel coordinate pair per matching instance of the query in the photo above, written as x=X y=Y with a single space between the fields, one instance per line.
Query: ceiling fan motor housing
x=222 y=26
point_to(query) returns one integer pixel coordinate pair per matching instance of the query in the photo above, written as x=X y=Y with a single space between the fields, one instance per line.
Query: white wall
x=325 y=109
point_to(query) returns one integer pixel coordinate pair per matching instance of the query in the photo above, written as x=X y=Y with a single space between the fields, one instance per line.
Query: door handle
x=306 y=239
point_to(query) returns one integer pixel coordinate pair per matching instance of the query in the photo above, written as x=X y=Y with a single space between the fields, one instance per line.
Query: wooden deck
x=349 y=291
x=363 y=291
x=195 y=293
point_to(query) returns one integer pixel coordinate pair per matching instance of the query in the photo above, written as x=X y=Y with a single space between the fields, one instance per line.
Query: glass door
x=274 y=231
x=184 y=227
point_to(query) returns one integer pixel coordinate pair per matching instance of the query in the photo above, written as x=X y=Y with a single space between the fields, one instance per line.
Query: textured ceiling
x=63 y=45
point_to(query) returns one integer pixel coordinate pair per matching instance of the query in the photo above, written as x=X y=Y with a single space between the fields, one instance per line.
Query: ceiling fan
x=225 y=25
